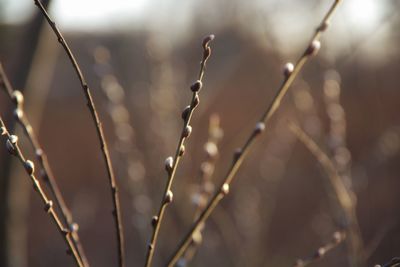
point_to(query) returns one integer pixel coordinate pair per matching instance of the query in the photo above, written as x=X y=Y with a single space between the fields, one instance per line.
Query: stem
x=337 y=238
x=14 y=149
x=171 y=169
x=99 y=129
x=290 y=75
x=47 y=174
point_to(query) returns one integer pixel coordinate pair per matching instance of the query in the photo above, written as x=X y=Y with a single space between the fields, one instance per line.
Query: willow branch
x=343 y=195
x=171 y=164
x=103 y=144
x=337 y=239
x=47 y=175
x=290 y=73
x=13 y=149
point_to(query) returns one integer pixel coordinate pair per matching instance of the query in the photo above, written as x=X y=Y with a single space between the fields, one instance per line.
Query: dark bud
x=29 y=167
x=185 y=113
x=48 y=206
x=187 y=131
x=154 y=221
x=181 y=150
x=169 y=197
x=196 y=86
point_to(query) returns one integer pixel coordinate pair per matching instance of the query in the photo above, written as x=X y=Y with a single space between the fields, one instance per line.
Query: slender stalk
x=337 y=238
x=290 y=74
x=13 y=149
x=395 y=262
x=103 y=144
x=344 y=196
x=171 y=164
x=47 y=175
x=215 y=134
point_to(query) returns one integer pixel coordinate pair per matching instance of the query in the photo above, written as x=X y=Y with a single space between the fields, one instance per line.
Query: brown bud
x=185 y=113
x=237 y=154
x=324 y=25
x=48 y=206
x=196 y=86
x=313 y=48
x=29 y=167
x=74 y=227
x=187 y=131
x=260 y=127
x=169 y=197
x=154 y=221
x=10 y=148
x=288 y=69
x=181 y=150
x=320 y=253
x=168 y=164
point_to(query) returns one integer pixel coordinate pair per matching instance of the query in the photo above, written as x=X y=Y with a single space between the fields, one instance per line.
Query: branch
x=103 y=144
x=337 y=238
x=290 y=74
x=47 y=175
x=13 y=149
x=171 y=164
x=344 y=196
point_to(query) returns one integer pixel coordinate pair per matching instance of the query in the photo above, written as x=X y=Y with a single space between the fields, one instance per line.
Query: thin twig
x=206 y=189
x=344 y=196
x=395 y=262
x=99 y=129
x=46 y=173
x=290 y=74
x=13 y=149
x=171 y=164
x=337 y=238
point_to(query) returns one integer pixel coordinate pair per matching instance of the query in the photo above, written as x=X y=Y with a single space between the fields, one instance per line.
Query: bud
x=324 y=25
x=168 y=164
x=187 y=131
x=185 y=113
x=169 y=197
x=48 y=206
x=10 y=147
x=313 y=48
x=196 y=86
x=13 y=139
x=29 y=167
x=225 y=189
x=181 y=150
x=18 y=98
x=320 y=253
x=237 y=154
x=74 y=227
x=154 y=221
x=260 y=127
x=288 y=69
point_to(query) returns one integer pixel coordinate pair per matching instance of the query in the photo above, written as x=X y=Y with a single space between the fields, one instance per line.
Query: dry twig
x=290 y=73
x=14 y=149
x=46 y=173
x=343 y=195
x=337 y=238
x=99 y=129
x=171 y=164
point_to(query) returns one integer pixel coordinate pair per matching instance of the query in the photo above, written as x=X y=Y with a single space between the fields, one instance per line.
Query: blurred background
x=140 y=58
